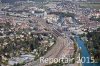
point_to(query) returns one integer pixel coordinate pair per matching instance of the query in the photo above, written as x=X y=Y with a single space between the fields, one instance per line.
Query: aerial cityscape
x=49 y=32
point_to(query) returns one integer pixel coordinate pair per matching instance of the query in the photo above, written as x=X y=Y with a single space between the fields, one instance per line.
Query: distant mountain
x=10 y=1
x=93 y=0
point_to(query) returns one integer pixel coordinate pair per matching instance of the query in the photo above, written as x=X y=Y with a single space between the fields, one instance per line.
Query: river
x=84 y=52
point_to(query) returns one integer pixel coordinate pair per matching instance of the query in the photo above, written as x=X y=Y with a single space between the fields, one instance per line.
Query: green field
x=90 y=5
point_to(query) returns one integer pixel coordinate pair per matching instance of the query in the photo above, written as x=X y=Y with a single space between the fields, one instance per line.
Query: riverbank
x=77 y=53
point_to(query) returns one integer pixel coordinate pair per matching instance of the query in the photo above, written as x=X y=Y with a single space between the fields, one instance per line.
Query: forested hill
x=93 y=44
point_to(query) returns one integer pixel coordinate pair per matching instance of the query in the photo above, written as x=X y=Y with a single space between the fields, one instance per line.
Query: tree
x=93 y=43
x=31 y=47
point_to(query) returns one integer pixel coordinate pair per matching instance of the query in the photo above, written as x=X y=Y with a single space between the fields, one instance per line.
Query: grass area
x=90 y=5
